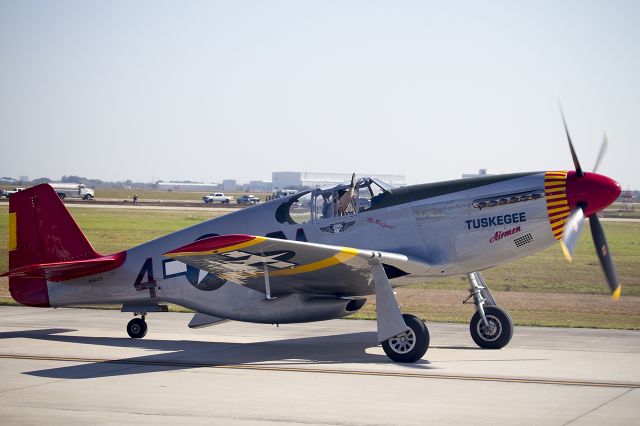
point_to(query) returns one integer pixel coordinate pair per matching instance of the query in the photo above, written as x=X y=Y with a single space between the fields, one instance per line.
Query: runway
x=64 y=365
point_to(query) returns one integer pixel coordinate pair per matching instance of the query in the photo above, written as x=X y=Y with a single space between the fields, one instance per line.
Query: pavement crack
x=593 y=410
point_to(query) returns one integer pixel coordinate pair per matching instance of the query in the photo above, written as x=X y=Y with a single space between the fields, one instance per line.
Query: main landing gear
x=404 y=338
x=137 y=327
x=491 y=327
x=411 y=345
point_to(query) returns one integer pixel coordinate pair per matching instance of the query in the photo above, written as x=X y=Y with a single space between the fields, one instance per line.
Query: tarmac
x=78 y=365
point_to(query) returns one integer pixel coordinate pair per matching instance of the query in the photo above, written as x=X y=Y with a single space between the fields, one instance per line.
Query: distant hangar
x=283 y=180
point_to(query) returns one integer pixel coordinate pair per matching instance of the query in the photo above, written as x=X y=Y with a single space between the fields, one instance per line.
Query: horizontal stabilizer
x=63 y=271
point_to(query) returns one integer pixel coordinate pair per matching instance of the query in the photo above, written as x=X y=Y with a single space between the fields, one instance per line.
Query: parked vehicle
x=248 y=199
x=284 y=193
x=73 y=190
x=216 y=197
x=7 y=194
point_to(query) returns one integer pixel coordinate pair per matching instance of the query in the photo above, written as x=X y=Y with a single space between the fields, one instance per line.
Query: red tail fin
x=44 y=236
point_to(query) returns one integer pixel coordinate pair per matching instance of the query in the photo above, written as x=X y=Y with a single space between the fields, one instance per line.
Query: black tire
x=500 y=330
x=410 y=346
x=137 y=328
x=62 y=195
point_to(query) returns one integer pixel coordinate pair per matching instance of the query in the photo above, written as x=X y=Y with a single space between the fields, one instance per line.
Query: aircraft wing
x=292 y=266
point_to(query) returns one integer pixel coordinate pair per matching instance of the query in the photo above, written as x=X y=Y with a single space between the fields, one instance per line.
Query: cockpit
x=342 y=200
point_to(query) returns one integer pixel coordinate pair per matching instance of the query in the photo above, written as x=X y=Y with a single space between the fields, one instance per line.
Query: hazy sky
x=208 y=90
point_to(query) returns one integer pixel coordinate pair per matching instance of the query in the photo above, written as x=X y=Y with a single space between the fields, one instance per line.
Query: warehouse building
x=283 y=180
x=188 y=186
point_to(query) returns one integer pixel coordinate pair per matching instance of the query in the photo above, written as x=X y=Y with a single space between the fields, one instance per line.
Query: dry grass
x=526 y=308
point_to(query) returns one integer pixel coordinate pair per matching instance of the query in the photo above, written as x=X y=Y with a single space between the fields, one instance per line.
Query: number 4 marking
x=150 y=284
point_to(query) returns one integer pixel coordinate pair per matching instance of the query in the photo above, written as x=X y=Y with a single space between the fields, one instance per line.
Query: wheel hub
x=404 y=342
x=492 y=330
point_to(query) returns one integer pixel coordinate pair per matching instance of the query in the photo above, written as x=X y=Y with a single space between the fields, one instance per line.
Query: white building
x=229 y=185
x=282 y=180
x=259 y=186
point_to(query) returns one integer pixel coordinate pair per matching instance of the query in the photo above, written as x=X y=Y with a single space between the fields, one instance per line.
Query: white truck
x=216 y=197
x=7 y=194
x=73 y=190
x=284 y=193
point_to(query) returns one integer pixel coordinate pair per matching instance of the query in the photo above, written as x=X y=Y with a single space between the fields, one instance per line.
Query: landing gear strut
x=404 y=338
x=137 y=327
x=491 y=327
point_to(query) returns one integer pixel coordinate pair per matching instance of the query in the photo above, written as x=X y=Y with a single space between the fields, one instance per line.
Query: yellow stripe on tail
x=13 y=232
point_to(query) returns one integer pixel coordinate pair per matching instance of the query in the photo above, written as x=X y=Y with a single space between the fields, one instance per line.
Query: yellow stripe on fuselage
x=562 y=216
x=551 y=184
x=558 y=210
x=559 y=222
x=557 y=197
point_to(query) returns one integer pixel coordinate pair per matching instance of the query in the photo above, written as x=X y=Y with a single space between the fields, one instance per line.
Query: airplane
x=275 y=263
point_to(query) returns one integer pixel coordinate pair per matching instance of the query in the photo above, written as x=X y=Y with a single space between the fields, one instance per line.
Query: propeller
x=603 y=149
x=576 y=163
x=572 y=231
x=575 y=222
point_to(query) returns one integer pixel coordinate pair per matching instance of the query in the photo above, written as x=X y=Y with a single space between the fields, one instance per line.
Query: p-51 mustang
x=269 y=264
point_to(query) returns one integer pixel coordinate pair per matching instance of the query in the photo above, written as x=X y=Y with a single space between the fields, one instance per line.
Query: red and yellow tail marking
x=13 y=234
x=555 y=187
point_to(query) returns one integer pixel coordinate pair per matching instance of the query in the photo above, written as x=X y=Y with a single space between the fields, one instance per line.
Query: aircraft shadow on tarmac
x=186 y=354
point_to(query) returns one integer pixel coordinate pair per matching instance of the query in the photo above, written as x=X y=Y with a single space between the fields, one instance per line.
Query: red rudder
x=41 y=231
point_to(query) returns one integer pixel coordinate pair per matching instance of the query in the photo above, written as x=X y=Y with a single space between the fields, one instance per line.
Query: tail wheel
x=137 y=328
x=411 y=345
x=497 y=333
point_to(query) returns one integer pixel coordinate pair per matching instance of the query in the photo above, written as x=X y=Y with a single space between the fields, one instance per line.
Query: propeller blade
x=572 y=231
x=603 y=149
x=576 y=163
x=602 y=249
